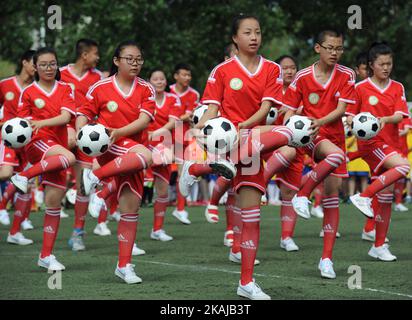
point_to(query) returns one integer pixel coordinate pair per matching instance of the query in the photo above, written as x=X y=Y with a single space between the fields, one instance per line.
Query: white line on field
x=197 y=268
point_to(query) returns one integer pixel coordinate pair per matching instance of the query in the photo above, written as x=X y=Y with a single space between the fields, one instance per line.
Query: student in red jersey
x=385 y=99
x=223 y=185
x=81 y=76
x=49 y=105
x=404 y=127
x=324 y=89
x=168 y=110
x=12 y=160
x=189 y=98
x=244 y=89
x=288 y=180
x=125 y=104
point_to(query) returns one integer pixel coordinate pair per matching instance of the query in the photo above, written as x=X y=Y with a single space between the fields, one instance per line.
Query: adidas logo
x=121 y=238
x=248 y=245
x=125 y=143
x=118 y=161
x=160 y=214
x=314 y=175
x=18 y=213
x=328 y=228
x=257 y=145
x=378 y=218
x=48 y=229
x=44 y=164
x=8 y=155
x=286 y=219
x=236 y=229
x=382 y=179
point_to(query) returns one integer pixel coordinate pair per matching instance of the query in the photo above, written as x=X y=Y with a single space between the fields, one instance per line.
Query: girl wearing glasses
x=125 y=104
x=49 y=105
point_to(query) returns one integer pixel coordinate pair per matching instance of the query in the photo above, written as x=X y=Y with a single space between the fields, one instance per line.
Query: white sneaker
x=224 y=168
x=115 y=216
x=186 y=180
x=288 y=244
x=50 y=262
x=228 y=238
x=210 y=214
x=96 y=204
x=76 y=241
x=19 y=239
x=27 y=225
x=39 y=197
x=370 y=236
x=364 y=204
x=301 y=206
x=88 y=181
x=160 y=235
x=127 y=274
x=401 y=208
x=182 y=216
x=326 y=268
x=322 y=234
x=381 y=253
x=252 y=291
x=71 y=195
x=317 y=212
x=4 y=217
x=21 y=183
x=102 y=229
x=63 y=214
x=237 y=258
x=137 y=251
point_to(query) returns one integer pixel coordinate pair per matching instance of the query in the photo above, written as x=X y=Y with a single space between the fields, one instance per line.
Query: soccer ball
x=93 y=140
x=16 y=133
x=365 y=126
x=300 y=127
x=220 y=135
x=198 y=113
x=272 y=116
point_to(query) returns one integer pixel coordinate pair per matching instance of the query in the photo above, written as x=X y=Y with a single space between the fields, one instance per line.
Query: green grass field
x=195 y=265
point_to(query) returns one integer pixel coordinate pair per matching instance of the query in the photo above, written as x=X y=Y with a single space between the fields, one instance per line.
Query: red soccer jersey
x=114 y=108
x=37 y=104
x=318 y=100
x=189 y=100
x=403 y=140
x=239 y=93
x=80 y=85
x=171 y=107
x=10 y=91
x=381 y=103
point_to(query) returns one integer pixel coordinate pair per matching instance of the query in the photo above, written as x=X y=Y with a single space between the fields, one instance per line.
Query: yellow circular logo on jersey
x=313 y=98
x=236 y=84
x=72 y=86
x=373 y=100
x=9 y=96
x=112 y=106
x=39 y=103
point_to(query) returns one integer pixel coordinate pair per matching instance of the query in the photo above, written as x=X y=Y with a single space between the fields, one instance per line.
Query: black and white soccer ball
x=16 y=133
x=365 y=126
x=300 y=127
x=93 y=140
x=198 y=113
x=220 y=135
x=272 y=116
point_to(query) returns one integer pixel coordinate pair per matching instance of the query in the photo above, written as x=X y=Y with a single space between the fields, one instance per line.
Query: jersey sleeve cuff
x=69 y=110
x=404 y=114
x=271 y=99
x=289 y=107
x=148 y=113
x=212 y=102
x=347 y=101
x=84 y=115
